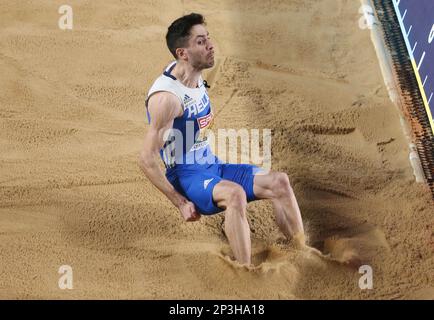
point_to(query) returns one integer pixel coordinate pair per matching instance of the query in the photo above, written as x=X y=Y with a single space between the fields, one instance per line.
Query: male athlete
x=196 y=181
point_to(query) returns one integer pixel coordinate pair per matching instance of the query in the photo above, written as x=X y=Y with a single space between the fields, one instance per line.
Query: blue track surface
x=417 y=24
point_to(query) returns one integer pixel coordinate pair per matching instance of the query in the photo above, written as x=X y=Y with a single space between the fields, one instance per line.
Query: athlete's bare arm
x=163 y=107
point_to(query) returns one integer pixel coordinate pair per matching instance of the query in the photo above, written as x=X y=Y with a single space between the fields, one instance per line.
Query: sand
x=72 y=123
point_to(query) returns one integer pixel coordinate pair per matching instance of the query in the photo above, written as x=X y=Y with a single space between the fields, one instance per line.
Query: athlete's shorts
x=196 y=182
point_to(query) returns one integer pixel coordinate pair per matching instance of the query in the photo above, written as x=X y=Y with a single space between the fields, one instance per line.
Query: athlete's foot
x=314 y=251
x=299 y=241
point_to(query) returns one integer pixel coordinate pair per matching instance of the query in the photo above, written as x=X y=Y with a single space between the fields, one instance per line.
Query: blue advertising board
x=416 y=18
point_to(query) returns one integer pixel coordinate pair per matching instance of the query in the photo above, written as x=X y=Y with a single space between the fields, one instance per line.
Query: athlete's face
x=200 y=50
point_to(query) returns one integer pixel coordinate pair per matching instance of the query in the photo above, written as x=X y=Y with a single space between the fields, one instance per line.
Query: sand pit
x=72 y=122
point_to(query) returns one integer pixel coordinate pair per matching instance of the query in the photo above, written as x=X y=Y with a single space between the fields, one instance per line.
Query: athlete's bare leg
x=232 y=198
x=276 y=187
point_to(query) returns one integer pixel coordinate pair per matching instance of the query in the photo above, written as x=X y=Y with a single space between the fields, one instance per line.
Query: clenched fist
x=188 y=211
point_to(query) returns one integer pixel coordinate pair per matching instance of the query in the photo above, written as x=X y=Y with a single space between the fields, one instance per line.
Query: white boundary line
x=421 y=60
x=423 y=84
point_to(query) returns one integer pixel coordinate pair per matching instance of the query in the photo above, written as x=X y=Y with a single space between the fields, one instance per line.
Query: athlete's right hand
x=188 y=211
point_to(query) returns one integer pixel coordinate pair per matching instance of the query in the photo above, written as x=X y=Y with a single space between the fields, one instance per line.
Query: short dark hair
x=179 y=31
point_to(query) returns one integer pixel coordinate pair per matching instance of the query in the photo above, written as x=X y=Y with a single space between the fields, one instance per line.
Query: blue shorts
x=196 y=182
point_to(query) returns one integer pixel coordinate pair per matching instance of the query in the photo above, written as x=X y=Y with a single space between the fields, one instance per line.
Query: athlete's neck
x=186 y=74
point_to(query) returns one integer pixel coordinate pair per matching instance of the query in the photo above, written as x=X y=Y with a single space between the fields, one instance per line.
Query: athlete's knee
x=281 y=185
x=237 y=199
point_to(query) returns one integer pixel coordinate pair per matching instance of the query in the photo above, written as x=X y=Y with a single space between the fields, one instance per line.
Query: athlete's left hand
x=188 y=211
